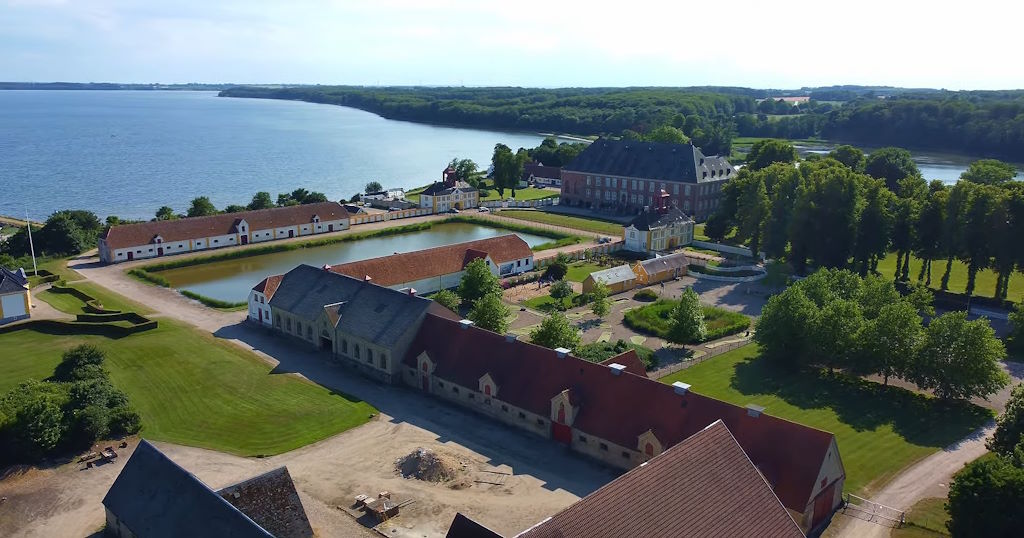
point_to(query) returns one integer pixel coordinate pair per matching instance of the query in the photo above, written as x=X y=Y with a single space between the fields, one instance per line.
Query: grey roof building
x=624 y=176
x=154 y=497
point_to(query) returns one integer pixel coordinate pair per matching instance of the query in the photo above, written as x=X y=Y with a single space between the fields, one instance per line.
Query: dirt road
x=928 y=478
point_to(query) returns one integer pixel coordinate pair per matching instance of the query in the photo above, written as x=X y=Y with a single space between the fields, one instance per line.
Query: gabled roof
x=154 y=497
x=142 y=233
x=790 y=455
x=439 y=188
x=649 y=160
x=463 y=527
x=539 y=170
x=621 y=273
x=652 y=218
x=630 y=360
x=271 y=501
x=665 y=263
x=433 y=262
x=268 y=285
x=364 y=309
x=12 y=281
x=705 y=486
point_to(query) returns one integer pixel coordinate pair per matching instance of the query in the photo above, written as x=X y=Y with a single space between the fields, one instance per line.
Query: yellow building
x=15 y=297
x=449 y=193
x=662 y=228
x=617 y=279
x=660 y=269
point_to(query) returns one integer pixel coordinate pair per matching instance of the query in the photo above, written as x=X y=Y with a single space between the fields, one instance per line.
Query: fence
x=872 y=511
x=582 y=253
x=390 y=215
x=542 y=202
x=709 y=353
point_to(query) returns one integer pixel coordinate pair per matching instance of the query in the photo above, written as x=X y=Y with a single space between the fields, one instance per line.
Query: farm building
x=165 y=237
x=660 y=269
x=705 y=486
x=15 y=297
x=618 y=279
x=664 y=227
x=433 y=269
x=155 y=497
x=449 y=193
x=542 y=176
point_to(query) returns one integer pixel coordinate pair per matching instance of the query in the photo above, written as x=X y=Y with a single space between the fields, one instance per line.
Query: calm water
x=231 y=280
x=942 y=166
x=130 y=152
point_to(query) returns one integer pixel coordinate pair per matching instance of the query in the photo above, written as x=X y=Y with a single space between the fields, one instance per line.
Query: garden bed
x=653 y=319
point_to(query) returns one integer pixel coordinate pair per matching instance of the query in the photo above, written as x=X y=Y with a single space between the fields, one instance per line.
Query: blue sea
x=127 y=153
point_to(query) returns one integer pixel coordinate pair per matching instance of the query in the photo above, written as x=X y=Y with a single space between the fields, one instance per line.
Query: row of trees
x=870 y=205
x=65 y=232
x=985 y=497
x=981 y=123
x=201 y=206
x=840 y=320
x=76 y=407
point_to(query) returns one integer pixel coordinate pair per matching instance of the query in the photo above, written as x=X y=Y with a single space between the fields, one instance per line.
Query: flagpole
x=31 y=247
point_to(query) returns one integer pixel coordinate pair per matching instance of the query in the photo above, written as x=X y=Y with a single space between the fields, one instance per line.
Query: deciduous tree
x=784 y=327
x=836 y=333
x=989 y=172
x=891 y=165
x=850 y=156
x=1010 y=425
x=687 y=319
x=261 y=200
x=600 y=305
x=556 y=331
x=766 y=152
x=960 y=358
x=491 y=313
x=373 y=186
x=888 y=343
x=560 y=290
x=477 y=281
x=669 y=134
x=201 y=206
x=874 y=227
x=447 y=299
x=985 y=499
x=165 y=213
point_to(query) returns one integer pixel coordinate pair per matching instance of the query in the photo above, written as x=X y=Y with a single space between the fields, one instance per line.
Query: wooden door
x=245 y=239
x=131 y=256
x=823 y=505
x=159 y=251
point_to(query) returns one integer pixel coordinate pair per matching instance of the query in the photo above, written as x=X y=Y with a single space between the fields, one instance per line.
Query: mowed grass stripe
x=193 y=389
x=576 y=223
x=880 y=430
x=984 y=285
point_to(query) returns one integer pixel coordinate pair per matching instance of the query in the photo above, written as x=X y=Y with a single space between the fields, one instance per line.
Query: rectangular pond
x=231 y=280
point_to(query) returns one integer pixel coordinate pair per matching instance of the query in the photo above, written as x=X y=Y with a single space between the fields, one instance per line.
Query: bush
x=213 y=303
x=602 y=351
x=655 y=319
x=646 y=294
x=125 y=421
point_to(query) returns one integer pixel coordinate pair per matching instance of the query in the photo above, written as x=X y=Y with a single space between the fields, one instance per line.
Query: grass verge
x=555 y=219
x=984 y=286
x=230 y=306
x=926 y=519
x=868 y=419
x=193 y=389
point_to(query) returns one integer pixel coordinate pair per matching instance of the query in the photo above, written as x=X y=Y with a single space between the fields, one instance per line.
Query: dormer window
x=316 y=218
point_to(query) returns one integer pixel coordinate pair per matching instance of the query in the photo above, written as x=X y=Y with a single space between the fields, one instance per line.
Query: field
x=867 y=418
x=984 y=286
x=578 y=223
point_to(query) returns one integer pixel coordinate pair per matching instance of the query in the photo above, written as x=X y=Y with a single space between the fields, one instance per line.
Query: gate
x=862 y=508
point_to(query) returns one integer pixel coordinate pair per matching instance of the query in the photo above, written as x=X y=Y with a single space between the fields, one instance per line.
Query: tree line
x=839 y=320
x=850 y=210
x=979 y=123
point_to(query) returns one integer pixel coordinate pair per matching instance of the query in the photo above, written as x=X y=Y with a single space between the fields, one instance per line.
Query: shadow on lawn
x=864 y=405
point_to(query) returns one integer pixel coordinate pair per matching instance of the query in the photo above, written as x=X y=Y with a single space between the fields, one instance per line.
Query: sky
x=542 y=43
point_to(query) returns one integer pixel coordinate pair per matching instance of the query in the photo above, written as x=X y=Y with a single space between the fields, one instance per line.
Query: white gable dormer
x=648 y=444
x=487 y=385
x=158 y=239
x=243 y=226
x=562 y=410
x=316 y=218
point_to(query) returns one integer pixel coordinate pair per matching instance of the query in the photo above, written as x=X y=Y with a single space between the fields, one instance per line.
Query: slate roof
x=539 y=170
x=363 y=309
x=665 y=263
x=143 y=233
x=649 y=160
x=652 y=218
x=790 y=455
x=271 y=501
x=439 y=188
x=437 y=261
x=155 y=498
x=621 y=273
x=12 y=281
x=463 y=527
x=705 y=486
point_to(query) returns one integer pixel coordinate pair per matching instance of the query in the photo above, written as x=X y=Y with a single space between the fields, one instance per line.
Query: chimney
x=510 y=337
x=616 y=368
x=680 y=387
x=465 y=323
x=327 y=267
x=754 y=410
x=562 y=352
x=367 y=278
x=412 y=292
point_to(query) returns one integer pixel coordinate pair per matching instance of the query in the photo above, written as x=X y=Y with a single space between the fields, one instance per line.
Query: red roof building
x=433 y=269
x=611 y=414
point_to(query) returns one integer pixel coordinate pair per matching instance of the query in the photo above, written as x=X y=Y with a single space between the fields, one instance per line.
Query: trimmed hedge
x=713 y=272
x=92 y=305
x=71 y=328
x=146 y=276
x=653 y=319
x=646 y=294
x=211 y=302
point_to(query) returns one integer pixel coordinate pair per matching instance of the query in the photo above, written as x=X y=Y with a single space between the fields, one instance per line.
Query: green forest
x=983 y=123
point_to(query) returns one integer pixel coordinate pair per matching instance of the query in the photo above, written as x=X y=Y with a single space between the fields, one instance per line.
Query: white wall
x=13 y=305
x=255 y=306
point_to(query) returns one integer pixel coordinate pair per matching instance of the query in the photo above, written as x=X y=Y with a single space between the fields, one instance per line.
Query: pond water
x=945 y=167
x=231 y=280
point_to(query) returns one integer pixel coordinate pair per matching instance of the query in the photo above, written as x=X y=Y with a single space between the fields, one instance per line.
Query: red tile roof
x=619 y=408
x=437 y=261
x=630 y=360
x=268 y=285
x=143 y=233
x=705 y=486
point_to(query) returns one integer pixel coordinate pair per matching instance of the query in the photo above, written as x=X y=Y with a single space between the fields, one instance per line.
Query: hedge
x=653 y=319
x=713 y=272
x=53 y=326
x=92 y=305
x=146 y=276
x=646 y=295
x=211 y=302
x=98 y=320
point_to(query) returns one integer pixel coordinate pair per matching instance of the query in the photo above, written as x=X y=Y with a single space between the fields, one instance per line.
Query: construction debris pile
x=427 y=465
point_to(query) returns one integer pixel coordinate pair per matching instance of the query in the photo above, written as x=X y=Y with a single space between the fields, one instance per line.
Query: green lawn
x=193 y=389
x=984 y=286
x=654 y=319
x=880 y=430
x=522 y=195
x=555 y=219
x=72 y=305
x=579 y=271
x=926 y=519
x=545 y=303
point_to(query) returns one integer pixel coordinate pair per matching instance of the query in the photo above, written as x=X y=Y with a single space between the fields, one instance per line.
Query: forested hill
x=976 y=123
